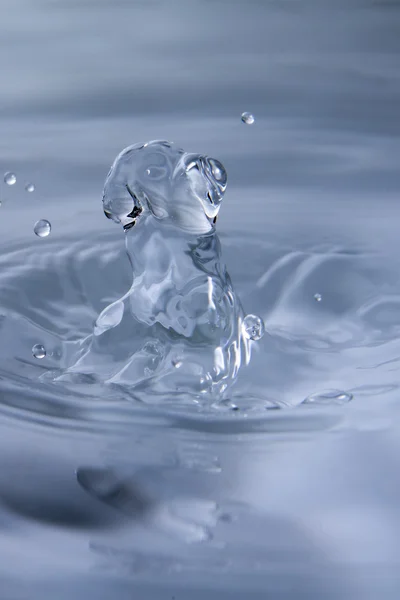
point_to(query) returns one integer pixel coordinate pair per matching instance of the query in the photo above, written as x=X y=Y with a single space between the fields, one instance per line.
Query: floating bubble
x=248 y=118
x=253 y=327
x=42 y=228
x=10 y=178
x=317 y=297
x=39 y=351
x=29 y=187
x=329 y=397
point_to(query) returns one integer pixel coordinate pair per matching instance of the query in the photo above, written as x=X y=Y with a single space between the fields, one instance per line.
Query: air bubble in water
x=42 y=228
x=39 y=351
x=10 y=178
x=248 y=118
x=317 y=297
x=253 y=327
x=329 y=397
x=29 y=187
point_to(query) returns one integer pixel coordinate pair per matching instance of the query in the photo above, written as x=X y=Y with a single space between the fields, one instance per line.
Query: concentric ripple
x=52 y=295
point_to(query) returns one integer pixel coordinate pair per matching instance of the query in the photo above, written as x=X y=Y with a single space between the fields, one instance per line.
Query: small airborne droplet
x=29 y=187
x=42 y=228
x=317 y=297
x=253 y=327
x=248 y=118
x=39 y=351
x=10 y=178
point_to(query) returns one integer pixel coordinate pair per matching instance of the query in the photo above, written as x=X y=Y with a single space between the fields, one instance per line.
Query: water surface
x=103 y=498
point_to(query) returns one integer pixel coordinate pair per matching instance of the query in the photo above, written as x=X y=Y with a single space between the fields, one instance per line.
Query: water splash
x=161 y=182
x=179 y=328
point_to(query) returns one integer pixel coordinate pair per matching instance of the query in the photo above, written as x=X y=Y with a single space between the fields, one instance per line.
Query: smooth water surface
x=289 y=488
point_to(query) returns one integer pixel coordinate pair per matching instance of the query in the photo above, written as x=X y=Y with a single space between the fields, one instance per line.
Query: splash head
x=159 y=180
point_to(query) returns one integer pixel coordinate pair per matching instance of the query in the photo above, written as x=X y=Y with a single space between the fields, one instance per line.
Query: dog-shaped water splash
x=179 y=328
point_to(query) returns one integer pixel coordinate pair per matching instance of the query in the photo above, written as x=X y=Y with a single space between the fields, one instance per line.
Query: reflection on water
x=287 y=489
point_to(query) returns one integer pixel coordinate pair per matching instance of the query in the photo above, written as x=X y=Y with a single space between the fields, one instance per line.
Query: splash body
x=179 y=328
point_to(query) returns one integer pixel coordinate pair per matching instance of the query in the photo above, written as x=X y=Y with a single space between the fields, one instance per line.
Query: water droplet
x=0 y=202
x=218 y=171
x=10 y=178
x=317 y=297
x=39 y=351
x=253 y=327
x=207 y=178
x=329 y=397
x=177 y=363
x=29 y=187
x=42 y=228
x=248 y=118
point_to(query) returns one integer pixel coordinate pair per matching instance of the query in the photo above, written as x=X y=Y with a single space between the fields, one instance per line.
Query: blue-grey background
x=295 y=503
